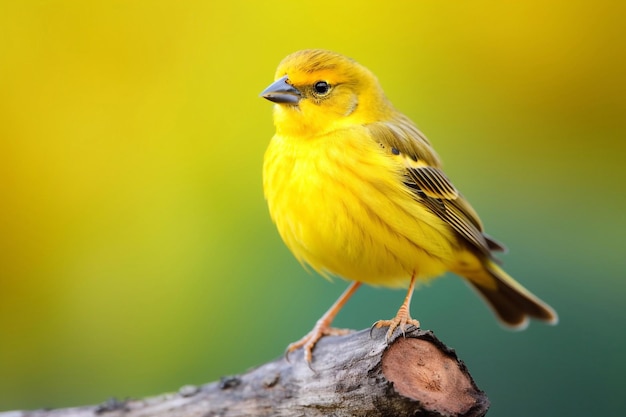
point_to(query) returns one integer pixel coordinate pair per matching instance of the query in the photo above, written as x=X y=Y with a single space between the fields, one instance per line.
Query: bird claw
x=309 y=341
x=401 y=321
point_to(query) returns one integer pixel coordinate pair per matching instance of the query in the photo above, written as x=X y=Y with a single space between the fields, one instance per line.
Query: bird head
x=317 y=92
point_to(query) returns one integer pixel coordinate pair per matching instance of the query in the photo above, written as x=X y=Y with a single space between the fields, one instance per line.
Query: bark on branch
x=353 y=375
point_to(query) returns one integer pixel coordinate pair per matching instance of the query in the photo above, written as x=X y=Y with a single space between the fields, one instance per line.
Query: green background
x=136 y=251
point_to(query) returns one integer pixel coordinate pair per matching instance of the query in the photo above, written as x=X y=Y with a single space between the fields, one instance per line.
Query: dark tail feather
x=512 y=303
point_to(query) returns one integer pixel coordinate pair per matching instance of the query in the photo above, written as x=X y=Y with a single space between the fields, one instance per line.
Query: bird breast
x=340 y=205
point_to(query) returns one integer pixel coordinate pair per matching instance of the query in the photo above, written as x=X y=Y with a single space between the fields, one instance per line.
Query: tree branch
x=352 y=375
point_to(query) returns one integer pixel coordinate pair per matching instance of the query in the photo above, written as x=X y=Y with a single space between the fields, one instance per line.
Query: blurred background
x=136 y=251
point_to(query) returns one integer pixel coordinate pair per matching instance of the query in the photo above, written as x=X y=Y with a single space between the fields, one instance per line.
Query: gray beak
x=280 y=91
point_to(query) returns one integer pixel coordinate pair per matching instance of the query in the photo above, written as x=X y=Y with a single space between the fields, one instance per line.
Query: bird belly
x=346 y=212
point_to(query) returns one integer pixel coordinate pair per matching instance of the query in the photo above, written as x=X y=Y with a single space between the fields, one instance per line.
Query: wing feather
x=433 y=182
x=429 y=184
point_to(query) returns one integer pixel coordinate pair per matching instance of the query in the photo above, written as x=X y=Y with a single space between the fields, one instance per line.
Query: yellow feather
x=357 y=191
x=340 y=205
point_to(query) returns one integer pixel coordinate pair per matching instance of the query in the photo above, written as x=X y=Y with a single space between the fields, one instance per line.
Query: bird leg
x=322 y=327
x=403 y=317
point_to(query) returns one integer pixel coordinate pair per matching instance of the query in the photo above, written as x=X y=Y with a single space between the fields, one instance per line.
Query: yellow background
x=136 y=252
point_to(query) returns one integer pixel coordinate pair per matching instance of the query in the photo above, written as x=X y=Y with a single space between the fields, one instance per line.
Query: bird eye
x=321 y=88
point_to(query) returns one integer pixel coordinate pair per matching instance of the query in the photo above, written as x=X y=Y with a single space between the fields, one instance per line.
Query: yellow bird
x=357 y=191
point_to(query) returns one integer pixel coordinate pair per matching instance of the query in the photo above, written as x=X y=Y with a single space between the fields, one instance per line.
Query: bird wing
x=427 y=181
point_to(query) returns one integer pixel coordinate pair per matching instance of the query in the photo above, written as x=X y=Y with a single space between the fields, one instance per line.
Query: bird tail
x=510 y=301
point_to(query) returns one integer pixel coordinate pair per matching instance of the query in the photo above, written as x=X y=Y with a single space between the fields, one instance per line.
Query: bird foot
x=401 y=320
x=309 y=341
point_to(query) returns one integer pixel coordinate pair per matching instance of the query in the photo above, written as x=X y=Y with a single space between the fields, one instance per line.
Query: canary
x=357 y=191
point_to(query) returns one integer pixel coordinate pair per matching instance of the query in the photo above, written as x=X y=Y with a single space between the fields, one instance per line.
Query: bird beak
x=280 y=91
